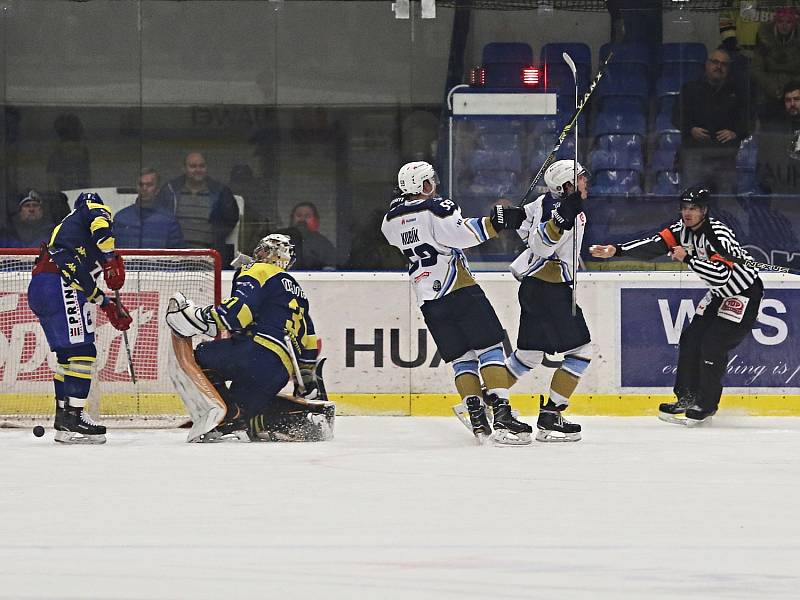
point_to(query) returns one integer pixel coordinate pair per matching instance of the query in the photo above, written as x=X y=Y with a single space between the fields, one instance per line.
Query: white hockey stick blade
x=570 y=63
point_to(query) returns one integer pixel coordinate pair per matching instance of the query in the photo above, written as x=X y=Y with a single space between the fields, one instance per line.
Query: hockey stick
x=125 y=339
x=571 y=64
x=295 y=365
x=567 y=128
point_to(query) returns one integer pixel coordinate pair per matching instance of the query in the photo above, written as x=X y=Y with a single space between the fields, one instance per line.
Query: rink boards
x=381 y=359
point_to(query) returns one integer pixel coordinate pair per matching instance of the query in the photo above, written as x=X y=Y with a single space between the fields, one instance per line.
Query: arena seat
x=682 y=52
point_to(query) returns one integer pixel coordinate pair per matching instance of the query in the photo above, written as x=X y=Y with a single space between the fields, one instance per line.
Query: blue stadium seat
x=622 y=104
x=684 y=71
x=664 y=122
x=747 y=183
x=668 y=183
x=663 y=159
x=682 y=52
x=499 y=141
x=629 y=142
x=543 y=126
x=602 y=160
x=487 y=160
x=748 y=154
x=627 y=53
x=578 y=51
x=668 y=139
x=559 y=77
x=507 y=52
x=494 y=183
x=504 y=125
x=620 y=182
x=503 y=63
x=607 y=123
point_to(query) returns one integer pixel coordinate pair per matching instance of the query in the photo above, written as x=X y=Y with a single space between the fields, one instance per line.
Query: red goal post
x=151 y=277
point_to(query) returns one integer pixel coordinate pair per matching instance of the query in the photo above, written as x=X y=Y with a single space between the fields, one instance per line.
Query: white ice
x=407 y=508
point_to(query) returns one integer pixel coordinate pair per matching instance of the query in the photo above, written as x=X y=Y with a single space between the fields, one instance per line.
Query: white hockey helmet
x=559 y=173
x=412 y=176
x=276 y=249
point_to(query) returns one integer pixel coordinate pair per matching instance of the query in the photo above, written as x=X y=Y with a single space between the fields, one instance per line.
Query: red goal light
x=530 y=77
x=477 y=77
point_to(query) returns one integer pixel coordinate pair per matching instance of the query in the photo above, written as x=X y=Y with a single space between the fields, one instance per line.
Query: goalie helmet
x=412 y=177
x=559 y=173
x=276 y=249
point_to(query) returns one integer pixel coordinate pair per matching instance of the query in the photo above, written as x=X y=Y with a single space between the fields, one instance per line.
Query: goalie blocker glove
x=506 y=217
x=567 y=211
x=114 y=271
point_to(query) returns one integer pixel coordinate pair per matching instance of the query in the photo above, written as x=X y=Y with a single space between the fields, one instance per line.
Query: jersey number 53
x=423 y=255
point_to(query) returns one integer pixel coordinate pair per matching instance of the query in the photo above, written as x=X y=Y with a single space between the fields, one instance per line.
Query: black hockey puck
x=38 y=431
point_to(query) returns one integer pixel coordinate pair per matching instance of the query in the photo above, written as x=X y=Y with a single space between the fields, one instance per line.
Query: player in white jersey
x=545 y=269
x=722 y=319
x=431 y=233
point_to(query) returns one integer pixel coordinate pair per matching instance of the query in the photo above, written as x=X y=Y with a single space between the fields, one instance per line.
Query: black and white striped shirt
x=713 y=249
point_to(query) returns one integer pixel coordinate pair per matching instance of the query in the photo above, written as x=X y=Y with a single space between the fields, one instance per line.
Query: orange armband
x=669 y=239
x=723 y=260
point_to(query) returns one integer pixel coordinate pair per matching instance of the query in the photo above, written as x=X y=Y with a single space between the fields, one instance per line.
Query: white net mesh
x=151 y=277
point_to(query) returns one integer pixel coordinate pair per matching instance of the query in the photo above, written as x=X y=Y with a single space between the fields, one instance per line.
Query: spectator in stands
x=738 y=25
x=29 y=226
x=204 y=207
x=68 y=166
x=712 y=117
x=140 y=225
x=370 y=252
x=314 y=250
x=778 y=164
x=776 y=60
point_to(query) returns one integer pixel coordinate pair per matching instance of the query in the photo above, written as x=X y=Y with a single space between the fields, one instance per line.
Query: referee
x=724 y=316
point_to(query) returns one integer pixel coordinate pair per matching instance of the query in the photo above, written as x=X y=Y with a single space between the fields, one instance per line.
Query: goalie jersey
x=266 y=303
x=549 y=255
x=431 y=233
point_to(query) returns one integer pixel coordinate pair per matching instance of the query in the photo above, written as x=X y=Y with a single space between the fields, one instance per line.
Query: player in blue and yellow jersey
x=267 y=317
x=64 y=294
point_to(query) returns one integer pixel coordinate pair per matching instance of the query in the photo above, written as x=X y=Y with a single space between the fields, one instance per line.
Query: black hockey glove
x=506 y=217
x=567 y=210
x=309 y=378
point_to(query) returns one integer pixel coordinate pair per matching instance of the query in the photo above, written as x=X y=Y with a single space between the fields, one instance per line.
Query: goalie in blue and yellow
x=271 y=339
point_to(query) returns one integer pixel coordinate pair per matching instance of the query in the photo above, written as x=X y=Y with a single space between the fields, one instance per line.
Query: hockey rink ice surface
x=407 y=508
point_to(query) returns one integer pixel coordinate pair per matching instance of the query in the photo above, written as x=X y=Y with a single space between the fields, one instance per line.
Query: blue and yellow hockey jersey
x=82 y=242
x=266 y=303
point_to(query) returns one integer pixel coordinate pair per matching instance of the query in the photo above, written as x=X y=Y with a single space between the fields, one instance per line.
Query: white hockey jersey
x=549 y=255
x=431 y=234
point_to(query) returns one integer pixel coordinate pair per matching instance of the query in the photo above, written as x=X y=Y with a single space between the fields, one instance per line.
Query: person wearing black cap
x=30 y=226
x=724 y=316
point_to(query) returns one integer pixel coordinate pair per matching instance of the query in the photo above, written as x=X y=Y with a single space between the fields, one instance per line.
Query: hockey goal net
x=151 y=277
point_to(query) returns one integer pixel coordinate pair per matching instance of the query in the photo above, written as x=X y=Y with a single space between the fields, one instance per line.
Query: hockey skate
x=74 y=425
x=472 y=413
x=670 y=412
x=234 y=430
x=508 y=431
x=697 y=416
x=552 y=425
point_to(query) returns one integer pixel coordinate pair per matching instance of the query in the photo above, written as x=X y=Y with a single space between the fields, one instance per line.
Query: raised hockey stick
x=571 y=64
x=567 y=128
x=125 y=340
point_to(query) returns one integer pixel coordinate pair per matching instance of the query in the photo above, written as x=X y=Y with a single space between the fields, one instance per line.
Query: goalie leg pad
x=202 y=401
x=187 y=319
